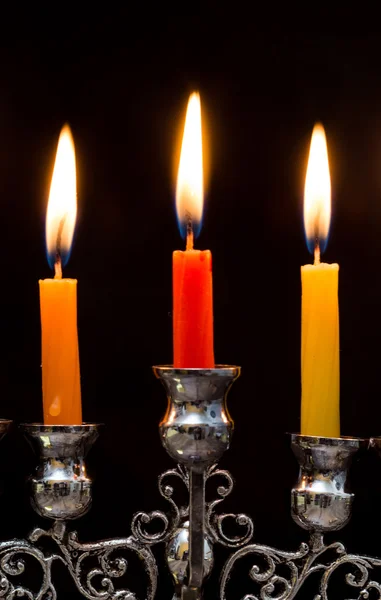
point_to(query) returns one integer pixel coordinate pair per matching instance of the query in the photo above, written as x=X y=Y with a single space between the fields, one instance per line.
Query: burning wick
x=317 y=253
x=58 y=262
x=190 y=237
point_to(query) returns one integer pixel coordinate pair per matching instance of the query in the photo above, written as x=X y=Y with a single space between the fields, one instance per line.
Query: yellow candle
x=320 y=350
x=320 y=365
x=58 y=297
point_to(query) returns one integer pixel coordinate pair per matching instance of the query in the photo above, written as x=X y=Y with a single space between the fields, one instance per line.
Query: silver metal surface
x=175 y=527
x=197 y=570
x=195 y=432
x=279 y=575
x=61 y=488
x=178 y=556
x=197 y=427
x=94 y=567
x=321 y=501
x=5 y=424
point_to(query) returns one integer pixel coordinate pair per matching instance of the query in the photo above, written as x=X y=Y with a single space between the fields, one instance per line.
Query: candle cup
x=321 y=500
x=60 y=487
x=197 y=427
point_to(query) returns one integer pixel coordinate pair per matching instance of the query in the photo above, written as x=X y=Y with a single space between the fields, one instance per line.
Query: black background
x=123 y=83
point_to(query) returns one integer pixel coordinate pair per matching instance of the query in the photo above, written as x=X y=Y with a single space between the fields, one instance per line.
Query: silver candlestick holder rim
x=219 y=368
x=41 y=427
x=328 y=441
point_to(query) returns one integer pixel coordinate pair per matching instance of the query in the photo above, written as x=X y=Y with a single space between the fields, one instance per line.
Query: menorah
x=196 y=431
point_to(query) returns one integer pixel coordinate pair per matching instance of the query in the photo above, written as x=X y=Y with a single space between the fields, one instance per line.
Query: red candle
x=192 y=269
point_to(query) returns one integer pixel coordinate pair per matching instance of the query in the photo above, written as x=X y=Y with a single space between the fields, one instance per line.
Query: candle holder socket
x=61 y=488
x=197 y=427
x=321 y=500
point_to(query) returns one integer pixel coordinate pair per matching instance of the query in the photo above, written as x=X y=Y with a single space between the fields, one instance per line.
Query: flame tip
x=66 y=129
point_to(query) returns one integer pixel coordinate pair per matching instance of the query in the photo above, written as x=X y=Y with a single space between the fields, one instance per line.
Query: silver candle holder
x=61 y=489
x=321 y=502
x=196 y=431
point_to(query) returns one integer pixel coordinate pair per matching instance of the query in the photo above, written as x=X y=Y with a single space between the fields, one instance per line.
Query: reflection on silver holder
x=321 y=501
x=61 y=488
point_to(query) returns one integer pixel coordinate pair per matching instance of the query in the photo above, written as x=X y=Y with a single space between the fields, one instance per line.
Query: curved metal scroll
x=300 y=565
x=214 y=523
x=99 y=581
x=110 y=565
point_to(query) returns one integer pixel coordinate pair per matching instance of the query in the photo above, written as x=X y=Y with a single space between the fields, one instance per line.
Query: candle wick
x=58 y=262
x=58 y=268
x=317 y=254
x=190 y=236
x=190 y=240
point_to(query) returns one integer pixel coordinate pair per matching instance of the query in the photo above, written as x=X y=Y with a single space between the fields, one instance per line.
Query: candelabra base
x=198 y=423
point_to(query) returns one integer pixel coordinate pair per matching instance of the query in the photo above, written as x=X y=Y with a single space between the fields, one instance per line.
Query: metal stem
x=196 y=535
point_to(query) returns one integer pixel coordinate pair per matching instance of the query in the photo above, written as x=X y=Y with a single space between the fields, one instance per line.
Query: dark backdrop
x=122 y=84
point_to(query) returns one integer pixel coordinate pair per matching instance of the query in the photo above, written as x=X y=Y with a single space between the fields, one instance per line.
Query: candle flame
x=317 y=194
x=189 y=188
x=62 y=205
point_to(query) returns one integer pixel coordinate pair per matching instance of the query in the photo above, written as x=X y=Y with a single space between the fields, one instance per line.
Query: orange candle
x=58 y=297
x=192 y=269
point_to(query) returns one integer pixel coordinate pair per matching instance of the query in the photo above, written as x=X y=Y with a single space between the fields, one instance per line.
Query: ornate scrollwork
x=93 y=582
x=168 y=526
x=12 y=565
x=95 y=567
x=300 y=565
x=215 y=522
